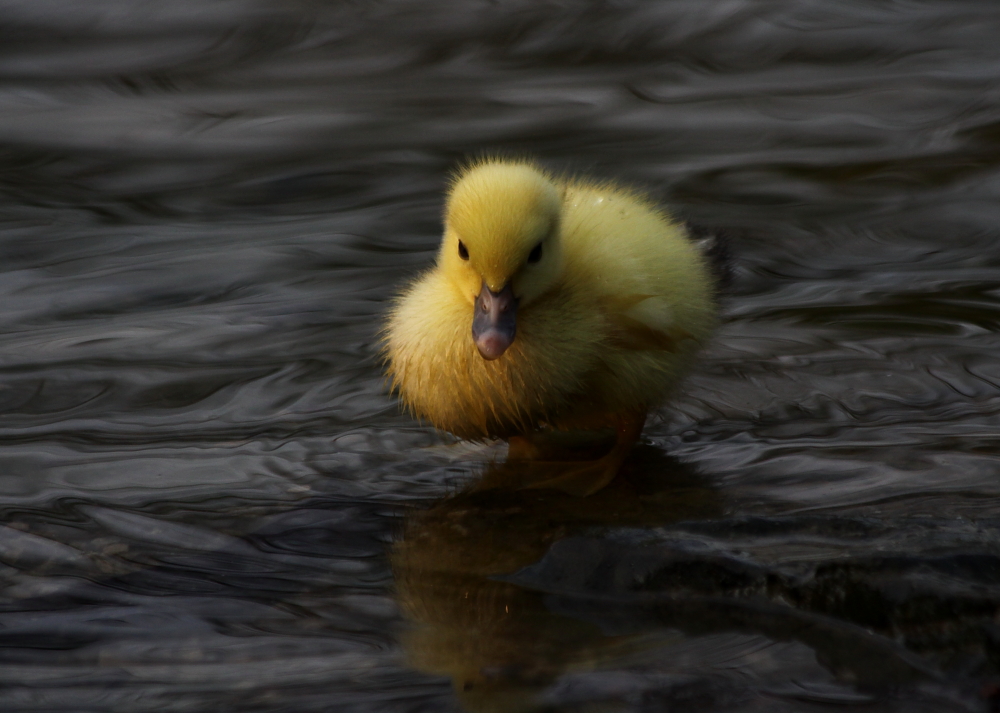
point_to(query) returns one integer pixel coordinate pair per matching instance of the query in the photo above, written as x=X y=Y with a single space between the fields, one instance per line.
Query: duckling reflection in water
x=557 y=307
x=498 y=642
x=517 y=596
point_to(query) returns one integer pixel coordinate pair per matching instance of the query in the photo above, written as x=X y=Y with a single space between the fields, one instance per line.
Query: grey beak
x=494 y=322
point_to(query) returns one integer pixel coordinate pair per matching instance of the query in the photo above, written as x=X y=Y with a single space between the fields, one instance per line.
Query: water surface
x=209 y=502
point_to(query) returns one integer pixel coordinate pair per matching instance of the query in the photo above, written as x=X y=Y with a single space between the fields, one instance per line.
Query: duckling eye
x=536 y=253
x=463 y=252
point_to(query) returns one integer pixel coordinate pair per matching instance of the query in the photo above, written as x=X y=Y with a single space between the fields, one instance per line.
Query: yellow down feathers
x=613 y=301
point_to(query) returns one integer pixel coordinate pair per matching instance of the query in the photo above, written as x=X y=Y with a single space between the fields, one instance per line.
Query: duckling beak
x=494 y=323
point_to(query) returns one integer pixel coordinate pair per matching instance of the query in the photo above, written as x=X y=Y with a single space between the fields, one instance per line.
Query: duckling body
x=555 y=304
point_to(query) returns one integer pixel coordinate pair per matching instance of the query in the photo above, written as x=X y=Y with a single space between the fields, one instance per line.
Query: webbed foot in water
x=578 y=463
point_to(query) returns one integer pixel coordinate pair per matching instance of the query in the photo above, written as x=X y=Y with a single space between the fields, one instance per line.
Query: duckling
x=557 y=304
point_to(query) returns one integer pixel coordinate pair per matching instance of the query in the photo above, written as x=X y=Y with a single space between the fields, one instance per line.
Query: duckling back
x=651 y=282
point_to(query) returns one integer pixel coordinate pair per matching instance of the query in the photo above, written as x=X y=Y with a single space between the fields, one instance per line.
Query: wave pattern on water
x=209 y=502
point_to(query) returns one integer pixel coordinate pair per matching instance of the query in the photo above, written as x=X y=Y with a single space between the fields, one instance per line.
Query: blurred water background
x=209 y=502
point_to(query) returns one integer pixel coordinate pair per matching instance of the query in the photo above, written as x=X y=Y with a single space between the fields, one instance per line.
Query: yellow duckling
x=555 y=304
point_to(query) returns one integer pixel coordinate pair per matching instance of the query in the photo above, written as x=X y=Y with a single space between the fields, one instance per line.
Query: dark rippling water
x=209 y=503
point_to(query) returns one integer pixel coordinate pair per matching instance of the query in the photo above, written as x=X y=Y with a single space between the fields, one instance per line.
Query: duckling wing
x=645 y=322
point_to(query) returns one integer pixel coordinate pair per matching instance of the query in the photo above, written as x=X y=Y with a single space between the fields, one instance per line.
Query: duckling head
x=501 y=247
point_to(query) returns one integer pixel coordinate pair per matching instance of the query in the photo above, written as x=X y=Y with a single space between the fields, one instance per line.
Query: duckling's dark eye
x=536 y=253
x=463 y=252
